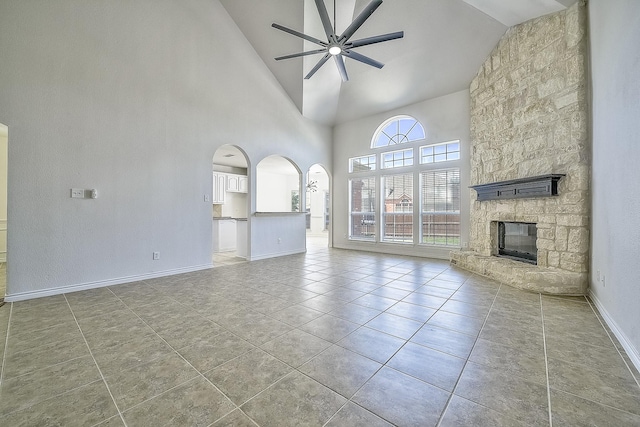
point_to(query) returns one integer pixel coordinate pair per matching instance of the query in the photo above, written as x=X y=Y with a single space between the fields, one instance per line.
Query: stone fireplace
x=529 y=120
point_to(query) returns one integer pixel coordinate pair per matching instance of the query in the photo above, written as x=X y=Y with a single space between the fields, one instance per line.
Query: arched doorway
x=318 y=206
x=230 y=206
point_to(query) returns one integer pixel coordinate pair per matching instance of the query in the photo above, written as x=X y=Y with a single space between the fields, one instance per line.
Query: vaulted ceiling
x=445 y=43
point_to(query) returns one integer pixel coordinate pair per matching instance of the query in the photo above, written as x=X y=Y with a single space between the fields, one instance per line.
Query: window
x=363 y=208
x=433 y=218
x=440 y=193
x=397 y=159
x=397 y=216
x=440 y=152
x=397 y=130
x=360 y=164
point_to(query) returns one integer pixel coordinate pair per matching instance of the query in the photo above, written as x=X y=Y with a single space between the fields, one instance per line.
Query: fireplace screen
x=517 y=240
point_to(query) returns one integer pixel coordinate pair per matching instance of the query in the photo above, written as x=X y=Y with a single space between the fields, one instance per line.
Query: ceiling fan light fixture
x=335 y=50
x=339 y=46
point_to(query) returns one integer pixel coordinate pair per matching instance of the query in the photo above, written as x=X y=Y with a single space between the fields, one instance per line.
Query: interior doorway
x=318 y=207
x=230 y=206
x=4 y=156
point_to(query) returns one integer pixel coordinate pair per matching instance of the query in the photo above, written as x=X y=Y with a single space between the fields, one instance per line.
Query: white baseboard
x=277 y=254
x=431 y=252
x=101 y=283
x=632 y=352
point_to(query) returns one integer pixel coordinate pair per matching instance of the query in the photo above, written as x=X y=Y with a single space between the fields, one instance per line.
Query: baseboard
x=277 y=254
x=629 y=348
x=435 y=252
x=102 y=283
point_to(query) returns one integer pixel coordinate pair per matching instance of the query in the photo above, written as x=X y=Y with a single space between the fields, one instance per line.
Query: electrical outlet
x=77 y=193
x=279 y=240
x=156 y=256
x=206 y=197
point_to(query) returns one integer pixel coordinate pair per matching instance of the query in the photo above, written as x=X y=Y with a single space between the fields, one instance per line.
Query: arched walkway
x=230 y=205
x=318 y=206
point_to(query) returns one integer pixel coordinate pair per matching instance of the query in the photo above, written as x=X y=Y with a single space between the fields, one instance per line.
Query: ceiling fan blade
x=364 y=59
x=317 y=67
x=375 y=39
x=299 y=34
x=297 y=55
x=341 y=68
x=357 y=23
x=326 y=21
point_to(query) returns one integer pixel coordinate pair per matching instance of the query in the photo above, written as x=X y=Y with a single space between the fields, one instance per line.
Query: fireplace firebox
x=517 y=240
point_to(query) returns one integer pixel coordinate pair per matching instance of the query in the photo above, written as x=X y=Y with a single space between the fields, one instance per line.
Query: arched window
x=397 y=130
x=408 y=194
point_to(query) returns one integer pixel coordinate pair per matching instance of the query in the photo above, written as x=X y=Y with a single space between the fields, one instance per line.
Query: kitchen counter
x=229 y=234
x=279 y=213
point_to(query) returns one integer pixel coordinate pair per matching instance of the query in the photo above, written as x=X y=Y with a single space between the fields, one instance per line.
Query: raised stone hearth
x=529 y=119
x=528 y=277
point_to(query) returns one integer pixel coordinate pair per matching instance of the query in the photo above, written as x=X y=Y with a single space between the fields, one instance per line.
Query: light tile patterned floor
x=220 y=259
x=332 y=337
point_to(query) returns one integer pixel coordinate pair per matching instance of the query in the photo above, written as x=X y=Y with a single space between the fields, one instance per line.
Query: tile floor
x=220 y=259
x=328 y=338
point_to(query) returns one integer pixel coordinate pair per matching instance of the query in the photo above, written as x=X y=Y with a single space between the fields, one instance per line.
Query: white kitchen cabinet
x=236 y=183
x=224 y=234
x=243 y=184
x=233 y=183
x=219 y=187
x=241 y=238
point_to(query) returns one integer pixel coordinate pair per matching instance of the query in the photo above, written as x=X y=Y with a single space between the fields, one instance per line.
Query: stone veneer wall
x=529 y=117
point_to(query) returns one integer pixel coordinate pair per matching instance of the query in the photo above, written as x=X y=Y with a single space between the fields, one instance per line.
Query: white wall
x=271 y=195
x=235 y=205
x=444 y=119
x=130 y=98
x=4 y=140
x=274 y=190
x=615 y=67
x=277 y=234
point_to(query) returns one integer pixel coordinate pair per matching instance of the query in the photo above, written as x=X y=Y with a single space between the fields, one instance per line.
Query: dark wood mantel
x=537 y=186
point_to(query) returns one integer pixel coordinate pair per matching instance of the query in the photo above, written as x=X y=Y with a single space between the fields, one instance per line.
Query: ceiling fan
x=339 y=46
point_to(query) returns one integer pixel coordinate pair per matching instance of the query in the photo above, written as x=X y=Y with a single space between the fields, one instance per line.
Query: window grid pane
x=363 y=208
x=397 y=159
x=440 y=152
x=440 y=194
x=398 y=131
x=362 y=164
x=398 y=208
